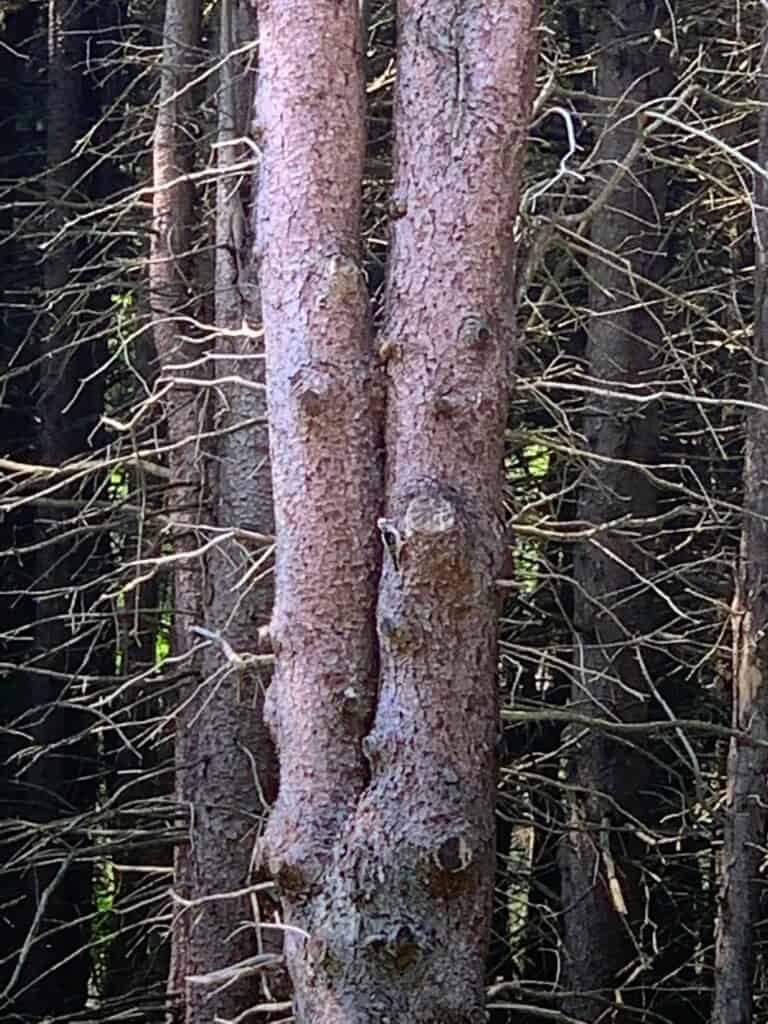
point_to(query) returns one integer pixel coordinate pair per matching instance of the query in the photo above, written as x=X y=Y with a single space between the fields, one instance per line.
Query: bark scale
x=613 y=606
x=746 y=809
x=382 y=836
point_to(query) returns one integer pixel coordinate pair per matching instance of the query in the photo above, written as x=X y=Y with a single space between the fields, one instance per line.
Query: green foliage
x=103 y=922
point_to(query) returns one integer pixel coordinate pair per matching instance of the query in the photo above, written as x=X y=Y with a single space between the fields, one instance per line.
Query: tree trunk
x=181 y=356
x=323 y=440
x=612 y=601
x=224 y=759
x=382 y=836
x=229 y=774
x=747 y=785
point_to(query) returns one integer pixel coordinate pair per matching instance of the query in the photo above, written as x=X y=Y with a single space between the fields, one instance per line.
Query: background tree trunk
x=613 y=601
x=747 y=783
x=233 y=772
x=181 y=356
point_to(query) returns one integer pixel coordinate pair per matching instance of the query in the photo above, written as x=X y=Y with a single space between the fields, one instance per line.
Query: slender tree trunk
x=224 y=758
x=232 y=774
x=181 y=357
x=747 y=786
x=382 y=837
x=612 y=601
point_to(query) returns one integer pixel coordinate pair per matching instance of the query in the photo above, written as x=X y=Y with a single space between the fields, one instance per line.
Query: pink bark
x=325 y=464
x=382 y=837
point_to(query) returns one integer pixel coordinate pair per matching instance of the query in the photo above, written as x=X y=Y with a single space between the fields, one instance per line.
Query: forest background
x=137 y=536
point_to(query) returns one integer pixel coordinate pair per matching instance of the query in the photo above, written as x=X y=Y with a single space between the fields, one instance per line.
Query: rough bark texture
x=612 y=601
x=425 y=827
x=325 y=466
x=747 y=787
x=382 y=836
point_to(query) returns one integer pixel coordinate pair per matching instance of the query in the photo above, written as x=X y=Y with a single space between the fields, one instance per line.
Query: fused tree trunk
x=747 y=784
x=613 y=605
x=385 y=718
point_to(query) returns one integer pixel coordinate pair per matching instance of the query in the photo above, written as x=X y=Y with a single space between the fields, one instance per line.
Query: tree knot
x=430 y=515
x=453 y=855
x=393 y=542
x=450 y=865
x=474 y=332
x=343 y=281
x=398 y=945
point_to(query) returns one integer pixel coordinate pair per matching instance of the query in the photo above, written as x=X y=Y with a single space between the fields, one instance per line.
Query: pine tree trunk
x=382 y=837
x=324 y=447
